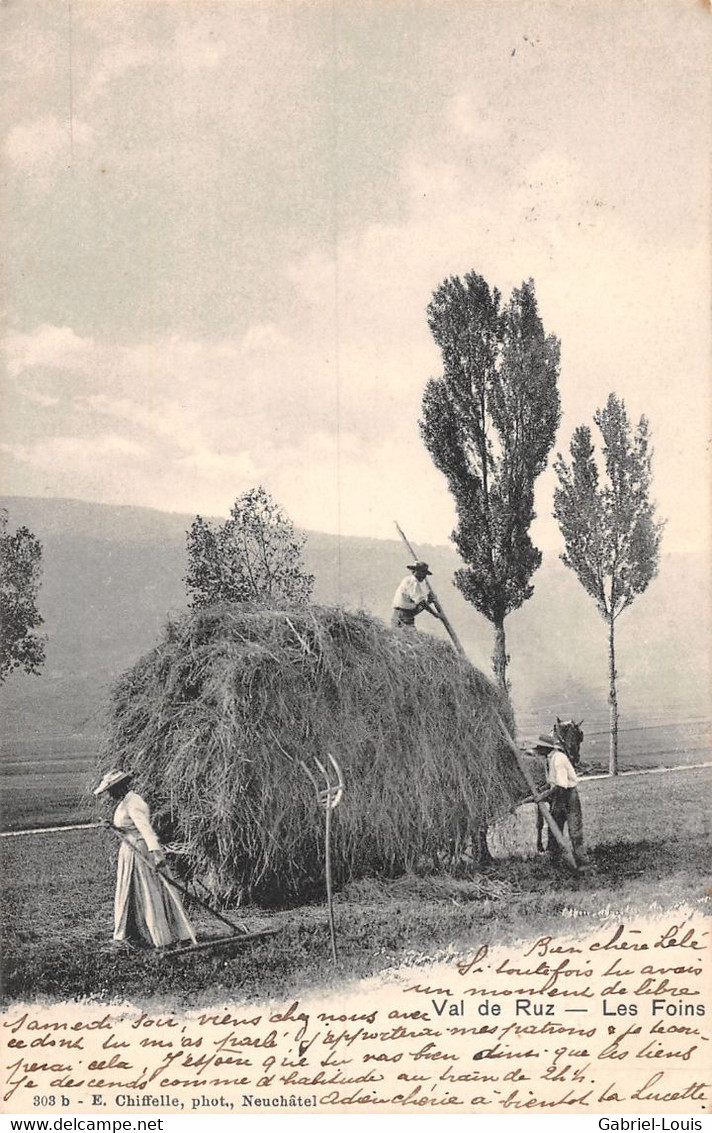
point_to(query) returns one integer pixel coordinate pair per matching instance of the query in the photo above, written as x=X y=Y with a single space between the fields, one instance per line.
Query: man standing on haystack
x=565 y=803
x=412 y=597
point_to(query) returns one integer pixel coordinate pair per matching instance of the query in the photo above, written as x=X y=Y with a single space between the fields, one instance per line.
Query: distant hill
x=113 y=574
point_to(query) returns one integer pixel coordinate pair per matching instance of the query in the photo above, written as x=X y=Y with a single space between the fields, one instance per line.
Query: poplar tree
x=611 y=536
x=489 y=423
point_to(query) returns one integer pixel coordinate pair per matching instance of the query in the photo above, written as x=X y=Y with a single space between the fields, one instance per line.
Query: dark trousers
x=566 y=809
x=402 y=618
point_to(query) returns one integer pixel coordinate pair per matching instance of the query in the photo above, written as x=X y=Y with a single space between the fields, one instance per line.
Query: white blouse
x=410 y=593
x=561 y=772
x=133 y=817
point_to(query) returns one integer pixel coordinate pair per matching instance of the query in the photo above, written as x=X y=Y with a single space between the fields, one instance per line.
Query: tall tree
x=20 y=574
x=489 y=424
x=256 y=555
x=611 y=535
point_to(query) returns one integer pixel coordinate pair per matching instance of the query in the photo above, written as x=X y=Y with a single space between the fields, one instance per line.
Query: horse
x=570 y=736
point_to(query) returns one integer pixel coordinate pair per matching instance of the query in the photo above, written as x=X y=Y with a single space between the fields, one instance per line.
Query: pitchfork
x=329 y=797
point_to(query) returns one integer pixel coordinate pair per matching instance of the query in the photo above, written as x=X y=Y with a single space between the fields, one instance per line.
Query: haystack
x=208 y=721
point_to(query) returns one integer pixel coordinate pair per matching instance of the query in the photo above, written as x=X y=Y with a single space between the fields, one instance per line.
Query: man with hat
x=412 y=597
x=564 y=803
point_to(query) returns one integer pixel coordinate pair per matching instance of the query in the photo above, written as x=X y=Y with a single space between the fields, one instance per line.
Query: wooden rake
x=239 y=932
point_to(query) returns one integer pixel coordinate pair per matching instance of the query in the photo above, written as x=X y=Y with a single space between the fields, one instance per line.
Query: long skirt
x=145 y=907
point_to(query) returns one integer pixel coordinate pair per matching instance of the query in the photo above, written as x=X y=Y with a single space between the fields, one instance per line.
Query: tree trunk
x=612 y=700
x=500 y=658
x=499 y=667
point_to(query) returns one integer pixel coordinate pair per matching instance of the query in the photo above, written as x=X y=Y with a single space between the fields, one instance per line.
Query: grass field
x=648 y=835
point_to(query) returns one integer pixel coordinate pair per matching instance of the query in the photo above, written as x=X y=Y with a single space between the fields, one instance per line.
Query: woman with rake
x=147 y=908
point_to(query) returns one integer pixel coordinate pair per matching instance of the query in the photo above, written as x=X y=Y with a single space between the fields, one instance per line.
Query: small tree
x=20 y=573
x=489 y=424
x=611 y=536
x=256 y=555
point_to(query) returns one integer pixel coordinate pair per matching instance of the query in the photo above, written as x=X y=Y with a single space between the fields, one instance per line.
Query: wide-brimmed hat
x=420 y=565
x=111 y=779
x=549 y=742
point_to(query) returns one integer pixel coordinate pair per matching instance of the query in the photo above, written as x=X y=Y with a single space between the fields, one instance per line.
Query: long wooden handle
x=327 y=870
x=543 y=810
x=436 y=601
x=171 y=883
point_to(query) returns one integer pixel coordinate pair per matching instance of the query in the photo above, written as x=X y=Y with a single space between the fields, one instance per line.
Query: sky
x=224 y=221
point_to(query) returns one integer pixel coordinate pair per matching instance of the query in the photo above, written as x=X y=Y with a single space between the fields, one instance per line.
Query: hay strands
x=409 y=720
x=434 y=598
x=239 y=935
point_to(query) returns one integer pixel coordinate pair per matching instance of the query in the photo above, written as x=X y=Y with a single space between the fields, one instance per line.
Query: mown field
x=649 y=837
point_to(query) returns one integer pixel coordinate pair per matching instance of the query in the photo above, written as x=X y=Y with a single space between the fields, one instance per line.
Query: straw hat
x=420 y=565
x=111 y=779
x=549 y=742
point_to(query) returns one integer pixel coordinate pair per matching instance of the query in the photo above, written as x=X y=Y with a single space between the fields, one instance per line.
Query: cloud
x=196 y=46
x=321 y=403
x=217 y=465
x=81 y=453
x=113 y=63
x=38 y=146
x=56 y=347
x=156 y=417
x=280 y=331
x=473 y=122
x=46 y=400
x=626 y=308
x=193 y=46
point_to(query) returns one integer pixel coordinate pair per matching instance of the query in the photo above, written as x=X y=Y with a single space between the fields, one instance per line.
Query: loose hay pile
x=205 y=719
